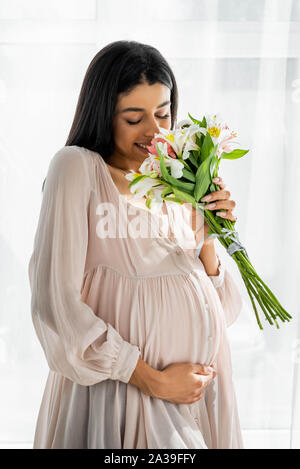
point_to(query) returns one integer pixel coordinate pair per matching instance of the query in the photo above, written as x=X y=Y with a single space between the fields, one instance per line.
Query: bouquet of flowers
x=180 y=168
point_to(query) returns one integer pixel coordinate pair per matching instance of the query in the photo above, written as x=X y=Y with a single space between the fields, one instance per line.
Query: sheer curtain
x=239 y=58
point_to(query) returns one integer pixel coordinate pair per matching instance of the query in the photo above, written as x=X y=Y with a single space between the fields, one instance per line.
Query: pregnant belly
x=185 y=325
x=172 y=318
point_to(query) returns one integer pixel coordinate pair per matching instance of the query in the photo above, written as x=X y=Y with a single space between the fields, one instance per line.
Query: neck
x=124 y=163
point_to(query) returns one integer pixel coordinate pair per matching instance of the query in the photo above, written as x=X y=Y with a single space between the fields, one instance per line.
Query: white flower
x=184 y=122
x=141 y=188
x=154 y=199
x=176 y=139
x=163 y=148
x=219 y=132
x=182 y=139
x=132 y=175
x=151 y=166
x=193 y=131
x=176 y=167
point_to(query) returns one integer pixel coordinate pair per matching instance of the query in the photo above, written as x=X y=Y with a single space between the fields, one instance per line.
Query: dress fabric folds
x=101 y=298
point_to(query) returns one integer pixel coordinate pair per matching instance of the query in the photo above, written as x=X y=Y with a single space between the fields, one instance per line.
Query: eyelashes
x=159 y=117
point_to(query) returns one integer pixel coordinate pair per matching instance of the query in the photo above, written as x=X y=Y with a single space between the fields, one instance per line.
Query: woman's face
x=152 y=109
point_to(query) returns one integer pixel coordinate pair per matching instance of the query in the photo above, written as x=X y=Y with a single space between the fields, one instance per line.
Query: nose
x=152 y=128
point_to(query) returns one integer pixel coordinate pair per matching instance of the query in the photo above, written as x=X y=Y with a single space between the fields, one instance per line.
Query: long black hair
x=117 y=68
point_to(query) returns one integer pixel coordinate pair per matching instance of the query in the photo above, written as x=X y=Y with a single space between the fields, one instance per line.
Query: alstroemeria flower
x=184 y=122
x=152 y=148
x=192 y=131
x=182 y=139
x=173 y=147
x=220 y=133
x=154 y=199
x=176 y=138
x=151 y=166
x=141 y=188
x=176 y=167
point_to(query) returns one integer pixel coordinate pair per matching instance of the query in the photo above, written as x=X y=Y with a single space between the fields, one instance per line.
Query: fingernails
x=207 y=197
x=210 y=206
x=208 y=370
x=216 y=179
x=220 y=214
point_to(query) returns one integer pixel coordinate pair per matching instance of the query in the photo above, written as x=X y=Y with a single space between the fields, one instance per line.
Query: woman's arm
x=77 y=343
x=146 y=378
x=209 y=258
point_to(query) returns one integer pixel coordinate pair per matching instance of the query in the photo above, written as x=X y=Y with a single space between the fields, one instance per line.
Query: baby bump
x=179 y=322
x=171 y=318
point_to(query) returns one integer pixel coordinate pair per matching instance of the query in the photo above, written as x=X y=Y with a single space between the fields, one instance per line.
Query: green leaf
x=188 y=175
x=203 y=177
x=174 y=199
x=194 y=120
x=203 y=123
x=137 y=179
x=183 y=196
x=187 y=186
x=203 y=180
x=233 y=155
x=163 y=168
x=148 y=202
x=207 y=147
x=214 y=166
x=193 y=159
x=166 y=191
x=212 y=188
x=185 y=163
x=199 y=140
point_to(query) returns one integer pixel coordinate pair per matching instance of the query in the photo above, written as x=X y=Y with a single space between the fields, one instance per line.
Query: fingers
x=206 y=384
x=220 y=204
x=228 y=215
x=220 y=200
x=203 y=369
x=217 y=195
x=219 y=182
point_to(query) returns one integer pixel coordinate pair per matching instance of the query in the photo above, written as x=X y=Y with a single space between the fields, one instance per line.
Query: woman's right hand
x=184 y=383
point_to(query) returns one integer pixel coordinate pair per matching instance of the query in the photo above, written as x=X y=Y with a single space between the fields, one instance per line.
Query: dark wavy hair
x=117 y=68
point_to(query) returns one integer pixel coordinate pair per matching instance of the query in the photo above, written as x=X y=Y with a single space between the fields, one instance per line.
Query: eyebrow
x=138 y=109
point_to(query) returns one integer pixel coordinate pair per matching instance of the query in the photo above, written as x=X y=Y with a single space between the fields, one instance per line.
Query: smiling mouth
x=141 y=145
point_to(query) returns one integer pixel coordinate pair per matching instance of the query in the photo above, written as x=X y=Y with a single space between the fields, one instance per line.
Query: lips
x=142 y=148
x=143 y=145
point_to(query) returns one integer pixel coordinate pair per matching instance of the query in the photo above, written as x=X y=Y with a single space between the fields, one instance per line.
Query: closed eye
x=159 y=117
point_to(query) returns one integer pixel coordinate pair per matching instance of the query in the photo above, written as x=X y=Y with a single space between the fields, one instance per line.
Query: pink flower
x=153 y=151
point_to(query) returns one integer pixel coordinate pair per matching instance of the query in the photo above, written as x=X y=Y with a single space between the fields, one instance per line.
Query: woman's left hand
x=219 y=200
x=222 y=201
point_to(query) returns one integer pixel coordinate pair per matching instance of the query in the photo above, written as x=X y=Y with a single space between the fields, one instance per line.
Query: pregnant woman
x=133 y=327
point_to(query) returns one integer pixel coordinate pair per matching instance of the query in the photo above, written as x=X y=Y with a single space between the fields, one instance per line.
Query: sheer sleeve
x=76 y=342
x=228 y=292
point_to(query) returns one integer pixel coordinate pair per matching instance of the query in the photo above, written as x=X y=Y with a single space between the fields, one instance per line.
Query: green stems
x=256 y=288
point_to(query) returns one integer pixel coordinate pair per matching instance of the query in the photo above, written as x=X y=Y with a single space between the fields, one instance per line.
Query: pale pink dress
x=98 y=303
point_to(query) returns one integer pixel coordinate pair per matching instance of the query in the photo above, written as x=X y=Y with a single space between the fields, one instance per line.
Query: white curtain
x=236 y=57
